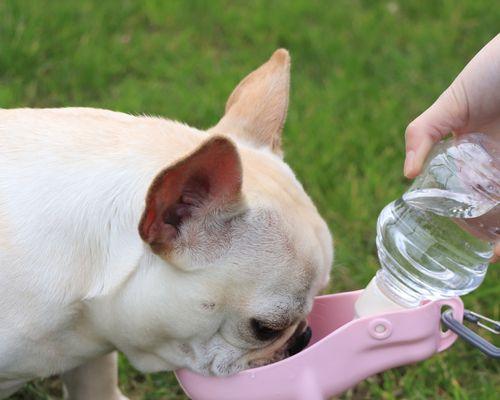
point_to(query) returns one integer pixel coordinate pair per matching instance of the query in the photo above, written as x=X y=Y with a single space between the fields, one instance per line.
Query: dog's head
x=237 y=249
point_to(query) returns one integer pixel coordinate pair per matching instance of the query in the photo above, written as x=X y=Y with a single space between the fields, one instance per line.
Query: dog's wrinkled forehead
x=262 y=236
x=264 y=247
x=287 y=225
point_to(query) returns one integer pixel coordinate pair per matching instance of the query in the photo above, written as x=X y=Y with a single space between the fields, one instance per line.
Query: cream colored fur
x=76 y=280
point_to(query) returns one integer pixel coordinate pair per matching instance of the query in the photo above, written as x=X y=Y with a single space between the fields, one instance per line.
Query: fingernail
x=410 y=156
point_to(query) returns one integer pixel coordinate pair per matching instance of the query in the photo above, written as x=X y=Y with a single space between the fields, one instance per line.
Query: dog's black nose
x=300 y=342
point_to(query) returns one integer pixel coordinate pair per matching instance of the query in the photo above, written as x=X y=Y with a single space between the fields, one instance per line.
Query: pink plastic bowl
x=343 y=351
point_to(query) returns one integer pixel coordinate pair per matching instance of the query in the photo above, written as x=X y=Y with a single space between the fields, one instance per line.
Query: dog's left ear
x=256 y=110
x=209 y=179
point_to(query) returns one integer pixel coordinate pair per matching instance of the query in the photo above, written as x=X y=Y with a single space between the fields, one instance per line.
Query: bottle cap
x=373 y=301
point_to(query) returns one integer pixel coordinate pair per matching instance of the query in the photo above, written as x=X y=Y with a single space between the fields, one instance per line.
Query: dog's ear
x=208 y=179
x=256 y=110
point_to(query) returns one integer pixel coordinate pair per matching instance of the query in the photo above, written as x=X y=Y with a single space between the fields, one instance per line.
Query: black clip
x=471 y=337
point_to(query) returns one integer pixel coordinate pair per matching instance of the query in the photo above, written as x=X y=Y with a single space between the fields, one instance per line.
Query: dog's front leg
x=94 y=380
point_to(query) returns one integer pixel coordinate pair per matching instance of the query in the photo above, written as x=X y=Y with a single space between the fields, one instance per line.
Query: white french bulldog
x=178 y=247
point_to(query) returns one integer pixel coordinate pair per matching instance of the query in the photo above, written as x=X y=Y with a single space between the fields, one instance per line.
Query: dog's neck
x=113 y=247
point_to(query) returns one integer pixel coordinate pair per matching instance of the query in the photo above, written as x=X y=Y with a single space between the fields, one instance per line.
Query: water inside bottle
x=427 y=256
x=448 y=203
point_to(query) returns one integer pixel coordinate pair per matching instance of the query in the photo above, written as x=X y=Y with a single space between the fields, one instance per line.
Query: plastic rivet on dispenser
x=380 y=328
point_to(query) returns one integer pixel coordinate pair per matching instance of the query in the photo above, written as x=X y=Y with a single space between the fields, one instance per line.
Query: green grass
x=361 y=71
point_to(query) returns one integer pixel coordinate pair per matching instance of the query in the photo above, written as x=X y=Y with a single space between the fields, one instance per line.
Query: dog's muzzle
x=299 y=340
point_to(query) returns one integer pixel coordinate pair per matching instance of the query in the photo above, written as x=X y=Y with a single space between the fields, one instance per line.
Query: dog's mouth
x=297 y=342
x=222 y=363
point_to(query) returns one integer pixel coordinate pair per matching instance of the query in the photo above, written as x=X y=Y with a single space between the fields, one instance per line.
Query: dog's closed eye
x=263 y=331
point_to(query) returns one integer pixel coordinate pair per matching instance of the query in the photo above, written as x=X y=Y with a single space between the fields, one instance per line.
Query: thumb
x=496 y=251
x=444 y=116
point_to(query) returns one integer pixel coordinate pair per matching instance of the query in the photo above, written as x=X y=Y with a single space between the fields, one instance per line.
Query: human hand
x=470 y=104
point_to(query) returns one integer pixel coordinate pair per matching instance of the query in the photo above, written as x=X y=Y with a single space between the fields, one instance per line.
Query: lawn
x=361 y=71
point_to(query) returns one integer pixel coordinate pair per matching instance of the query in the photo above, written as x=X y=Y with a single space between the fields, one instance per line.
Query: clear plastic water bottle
x=437 y=240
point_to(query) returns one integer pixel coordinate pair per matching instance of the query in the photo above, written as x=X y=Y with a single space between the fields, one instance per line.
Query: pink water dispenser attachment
x=343 y=351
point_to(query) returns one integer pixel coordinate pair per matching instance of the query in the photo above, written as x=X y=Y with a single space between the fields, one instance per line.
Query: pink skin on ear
x=211 y=176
